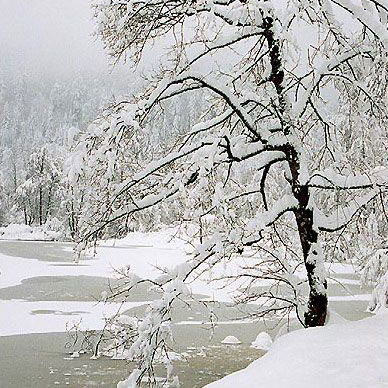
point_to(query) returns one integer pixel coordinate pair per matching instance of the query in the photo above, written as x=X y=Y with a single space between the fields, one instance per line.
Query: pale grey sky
x=48 y=36
x=54 y=37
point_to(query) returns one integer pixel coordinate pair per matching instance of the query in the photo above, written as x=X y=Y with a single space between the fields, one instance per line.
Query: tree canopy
x=288 y=153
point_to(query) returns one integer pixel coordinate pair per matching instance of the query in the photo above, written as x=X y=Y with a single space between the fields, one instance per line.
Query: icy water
x=41 y=360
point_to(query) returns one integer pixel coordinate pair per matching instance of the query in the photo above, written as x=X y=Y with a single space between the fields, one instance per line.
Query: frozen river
x=42 y=290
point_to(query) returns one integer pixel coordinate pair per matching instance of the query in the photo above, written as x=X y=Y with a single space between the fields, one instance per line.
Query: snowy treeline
x=41 y=122
x=39 y=118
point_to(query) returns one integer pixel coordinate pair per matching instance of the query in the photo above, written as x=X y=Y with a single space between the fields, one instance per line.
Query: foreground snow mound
x=263 y=341
x=294 y=324
x=344 y=355
x=231 y=340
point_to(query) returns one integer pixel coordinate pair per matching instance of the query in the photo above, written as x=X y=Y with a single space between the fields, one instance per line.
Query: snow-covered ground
x=25 y=317
x=361 y=348
x=343 y=355
x=142 y=252
x=26 y=232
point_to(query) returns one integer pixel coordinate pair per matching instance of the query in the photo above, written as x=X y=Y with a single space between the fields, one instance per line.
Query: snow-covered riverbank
x=143 y=253
x=22 y=232
x=42 y=290
x=53 y=262
x=346 y=355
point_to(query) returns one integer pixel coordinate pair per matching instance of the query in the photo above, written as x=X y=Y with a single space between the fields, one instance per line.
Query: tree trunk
x=40 y=207
x=317 y=304
x=48 y=204
x=313 y=259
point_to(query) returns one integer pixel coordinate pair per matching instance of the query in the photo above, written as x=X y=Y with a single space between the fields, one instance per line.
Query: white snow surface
x=263 y=341
x=343 y=355
x=231 y=340
x=25 y=317
x=143 y=252
x=26 y=232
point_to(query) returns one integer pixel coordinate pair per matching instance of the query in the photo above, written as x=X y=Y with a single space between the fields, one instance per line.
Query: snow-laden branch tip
x=329 y=179
x=341 y=217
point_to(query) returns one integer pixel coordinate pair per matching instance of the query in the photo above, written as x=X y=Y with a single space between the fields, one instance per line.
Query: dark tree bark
x=25 y=215
x=308 y=236
x=40 y=207
x=317 y=304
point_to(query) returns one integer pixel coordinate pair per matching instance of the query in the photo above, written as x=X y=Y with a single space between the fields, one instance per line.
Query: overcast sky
x=54 y=37
x=49 y=36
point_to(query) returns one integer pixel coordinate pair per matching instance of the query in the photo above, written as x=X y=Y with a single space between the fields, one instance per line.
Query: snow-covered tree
x=106 y=155
x=37 y=111
x=3 y=202
x=294 y=91
x=36 y=196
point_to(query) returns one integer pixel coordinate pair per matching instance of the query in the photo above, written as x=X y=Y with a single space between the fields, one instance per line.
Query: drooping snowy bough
x=289 y=151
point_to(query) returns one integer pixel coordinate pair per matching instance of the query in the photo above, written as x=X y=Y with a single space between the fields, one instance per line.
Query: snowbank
x=343 y=355
x=231 y=340
x=163 y=239
x=26 y=232
x=263 y=341
x=25 y=317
